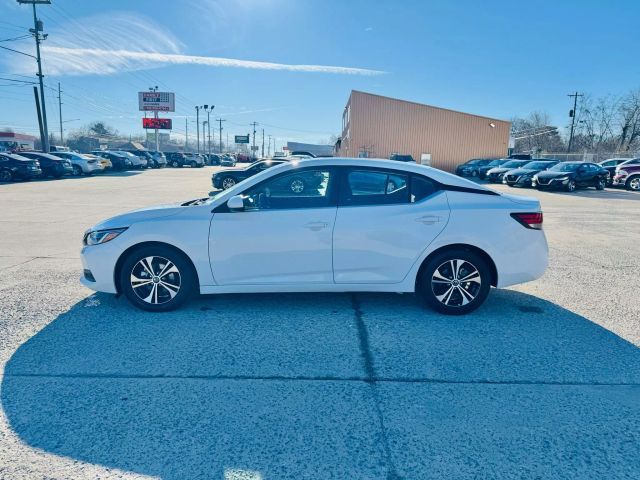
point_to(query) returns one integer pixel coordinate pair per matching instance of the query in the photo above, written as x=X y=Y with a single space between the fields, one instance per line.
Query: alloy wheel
x=228 y=183
x=456 y=283
x=634 y=184
x=297 y=186
x=155 y=280
x=571 y=186
x=77 y=171
x=5 y=176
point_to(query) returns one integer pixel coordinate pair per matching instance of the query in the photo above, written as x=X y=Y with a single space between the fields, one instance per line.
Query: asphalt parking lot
x=543 y=381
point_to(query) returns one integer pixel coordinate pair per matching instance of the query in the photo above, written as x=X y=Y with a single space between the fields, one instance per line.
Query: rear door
x=385 y=220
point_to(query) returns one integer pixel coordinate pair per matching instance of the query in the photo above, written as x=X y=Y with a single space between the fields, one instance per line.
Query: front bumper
x=93 y=168
x=619 y=180
x=552 y=183
x=100 y=261
x=521 y=181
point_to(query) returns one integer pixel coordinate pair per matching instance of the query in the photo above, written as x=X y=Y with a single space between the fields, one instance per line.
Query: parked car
x=398 y=157
x=523 y=176
x=471 y=167
x=228 y=161
x=571 y=175
x=146 y=156
x=176 y=159
x=213 y=159
x=16 y=167
x=482 y=171
x=137 y=161
x=118 y=160
x=260 y=237
x=82 y=164
x=51 y=165
x=159 y=159
x=520 y=156
x=610 y=165
x=628 y=175
x=194 y=160
x=225 y=179
x=105 y=162
x=244 y=158
x=495 y=174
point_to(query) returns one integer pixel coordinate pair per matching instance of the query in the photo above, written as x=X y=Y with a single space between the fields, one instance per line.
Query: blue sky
x=494 y=58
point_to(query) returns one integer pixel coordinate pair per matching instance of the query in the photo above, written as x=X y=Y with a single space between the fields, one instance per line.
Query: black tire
x=77 y=171
x=633 y=183
x=228 y=182
x=444 y=292
x=571 y=186
x=6 y=176
x=193 y=164
x=540 y=189
x=601 y=183
x=175 y=164
x=142 y=296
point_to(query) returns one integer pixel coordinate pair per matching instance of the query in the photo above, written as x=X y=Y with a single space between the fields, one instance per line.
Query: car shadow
x=284 y=386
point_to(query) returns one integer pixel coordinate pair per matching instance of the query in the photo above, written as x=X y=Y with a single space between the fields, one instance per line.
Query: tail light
x=529 y=220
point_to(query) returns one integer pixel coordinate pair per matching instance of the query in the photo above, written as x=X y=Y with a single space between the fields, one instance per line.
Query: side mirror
x=236 y=203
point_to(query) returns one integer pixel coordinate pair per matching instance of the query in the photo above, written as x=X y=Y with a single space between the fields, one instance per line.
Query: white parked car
x=82 y=164
x=136 y=161
x=325 y=225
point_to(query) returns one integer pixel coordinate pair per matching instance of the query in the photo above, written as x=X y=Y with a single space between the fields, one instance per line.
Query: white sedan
x=324 y=225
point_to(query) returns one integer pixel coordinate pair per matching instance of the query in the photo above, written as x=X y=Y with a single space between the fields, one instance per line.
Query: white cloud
x=82 y=61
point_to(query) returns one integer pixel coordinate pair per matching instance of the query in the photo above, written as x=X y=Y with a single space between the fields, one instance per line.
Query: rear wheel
x=175 y=164
x=633 y=183
x=6 y=176
x=455 y=282
x=157 y=278
x=77 y=171
x=193 y=164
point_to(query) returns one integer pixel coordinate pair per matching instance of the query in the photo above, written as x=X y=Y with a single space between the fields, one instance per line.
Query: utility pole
x=60 y=112
x=253 y=148
x=220 y=120
x=227 y=144
x=155 y=115
x=35 y=94
x=186 y=133
x=203 y=136
x=198 y=128
x=262 y=143
x=269 y=148
x=572 y=114
x=37 y=28
x=208 y=110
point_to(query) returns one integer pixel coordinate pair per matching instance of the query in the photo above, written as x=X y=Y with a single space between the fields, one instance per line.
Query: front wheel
x=601 y=183
x=193 y=164
x=175 y=164
x=455 y=282
x=6 y=176
x=571 y=186
x=633 y=184
x=228 y=182
x=157 y=278
x=77 y=171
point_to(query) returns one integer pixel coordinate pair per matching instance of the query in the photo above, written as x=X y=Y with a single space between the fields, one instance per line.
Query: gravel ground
x=542 y=382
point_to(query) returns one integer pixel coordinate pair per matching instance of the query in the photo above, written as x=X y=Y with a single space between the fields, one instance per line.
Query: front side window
x=372 y=187
x=301 y=189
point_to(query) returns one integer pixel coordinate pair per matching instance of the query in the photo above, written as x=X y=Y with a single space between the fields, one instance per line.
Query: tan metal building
x=374 y=126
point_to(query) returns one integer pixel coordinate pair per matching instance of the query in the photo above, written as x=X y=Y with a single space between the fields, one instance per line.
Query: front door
x=283 y=235
x=385 y=220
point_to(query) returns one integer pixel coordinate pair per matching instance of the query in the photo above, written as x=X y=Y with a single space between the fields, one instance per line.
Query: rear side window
x=421 y=188
x=375 y=187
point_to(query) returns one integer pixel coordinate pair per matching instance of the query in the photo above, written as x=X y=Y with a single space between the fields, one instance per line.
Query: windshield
x=514 y=164
x=475 y=161
x=495 y=163
x=537 y=165
x=565 y=167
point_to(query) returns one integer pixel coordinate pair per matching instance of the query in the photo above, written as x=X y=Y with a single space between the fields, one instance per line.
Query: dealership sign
x=157 y=101
x=157 y=123
x=242 y=138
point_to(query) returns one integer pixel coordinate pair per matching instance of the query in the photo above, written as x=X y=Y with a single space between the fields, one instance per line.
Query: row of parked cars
x=25 y=165
x=548 y=174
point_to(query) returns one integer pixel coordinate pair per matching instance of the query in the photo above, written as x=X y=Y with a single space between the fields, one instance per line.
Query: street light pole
x=198 y=129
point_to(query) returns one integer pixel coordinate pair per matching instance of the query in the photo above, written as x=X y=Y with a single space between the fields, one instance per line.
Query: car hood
x=499 y=170
x=523 y=171
x=140 y=215
x=549 y=174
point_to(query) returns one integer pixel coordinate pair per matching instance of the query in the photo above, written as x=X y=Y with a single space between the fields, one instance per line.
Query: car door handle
x=428 y=219
x=315 y=226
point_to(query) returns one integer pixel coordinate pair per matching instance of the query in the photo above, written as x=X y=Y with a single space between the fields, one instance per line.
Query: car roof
x=45 y=155
x=15 y=156
x=437 y=175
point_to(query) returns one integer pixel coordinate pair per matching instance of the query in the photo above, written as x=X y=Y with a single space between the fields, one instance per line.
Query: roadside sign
x=157 y=101
x=157 y=123
x=242 y=138
x=254 y=147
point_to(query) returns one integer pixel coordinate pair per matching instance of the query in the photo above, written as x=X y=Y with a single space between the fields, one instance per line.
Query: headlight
x=101 y=236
